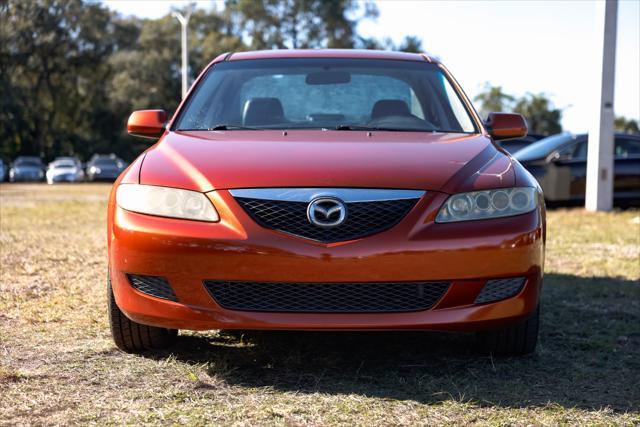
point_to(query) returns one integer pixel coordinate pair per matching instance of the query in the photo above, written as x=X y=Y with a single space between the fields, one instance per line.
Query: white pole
x=184 y=22
x=600 y=173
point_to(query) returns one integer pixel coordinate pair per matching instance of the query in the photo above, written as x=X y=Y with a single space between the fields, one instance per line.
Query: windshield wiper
x=223 y=126
x=379 y=128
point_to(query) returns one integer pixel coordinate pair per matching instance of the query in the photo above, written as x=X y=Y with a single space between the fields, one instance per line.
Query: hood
x=105 y=167
x=208 y=160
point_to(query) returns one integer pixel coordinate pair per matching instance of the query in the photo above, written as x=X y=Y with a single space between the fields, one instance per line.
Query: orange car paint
x=237 y=248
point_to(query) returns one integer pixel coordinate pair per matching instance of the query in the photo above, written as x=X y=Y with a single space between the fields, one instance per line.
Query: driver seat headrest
x=262 y=111
x=390 y=107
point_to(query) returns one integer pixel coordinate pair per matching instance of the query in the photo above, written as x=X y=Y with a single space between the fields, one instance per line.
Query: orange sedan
x=325 y=190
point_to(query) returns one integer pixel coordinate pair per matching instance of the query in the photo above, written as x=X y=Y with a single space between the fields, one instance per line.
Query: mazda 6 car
x=325 y=190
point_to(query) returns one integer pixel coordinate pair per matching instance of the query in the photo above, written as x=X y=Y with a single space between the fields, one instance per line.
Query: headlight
x=488 y=204
x=165 y=201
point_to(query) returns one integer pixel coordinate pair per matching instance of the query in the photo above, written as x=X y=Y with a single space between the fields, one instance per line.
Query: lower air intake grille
x=500 y=289
x=363 y=219
x=326 y=297
x=155 y=286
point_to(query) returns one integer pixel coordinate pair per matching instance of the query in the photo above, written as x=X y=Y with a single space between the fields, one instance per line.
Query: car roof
x=324 y=53
x=582 y=136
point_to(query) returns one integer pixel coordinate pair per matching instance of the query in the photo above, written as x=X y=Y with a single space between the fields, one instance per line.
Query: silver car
x=65 y=169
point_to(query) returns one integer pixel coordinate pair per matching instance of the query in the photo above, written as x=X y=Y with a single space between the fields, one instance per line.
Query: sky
x=524 y=46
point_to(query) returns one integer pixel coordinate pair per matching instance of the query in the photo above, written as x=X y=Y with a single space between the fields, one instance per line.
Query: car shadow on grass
x=588 y=357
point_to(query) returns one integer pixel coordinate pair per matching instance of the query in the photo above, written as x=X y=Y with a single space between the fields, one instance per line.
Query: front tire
x=516 y=340
x=133 y=337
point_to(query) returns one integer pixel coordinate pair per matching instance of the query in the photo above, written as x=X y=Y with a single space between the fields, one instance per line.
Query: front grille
x=155 y=286
x=500 y=289
x=363 y=218
x=373 y=297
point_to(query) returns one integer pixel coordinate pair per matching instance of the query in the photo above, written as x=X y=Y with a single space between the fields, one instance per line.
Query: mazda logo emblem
x=326 y=212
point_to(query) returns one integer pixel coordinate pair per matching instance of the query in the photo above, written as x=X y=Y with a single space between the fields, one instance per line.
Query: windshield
x=105 y=162
x=34 y=163
x=326 y=93
x=64 y=164
x=543 y=148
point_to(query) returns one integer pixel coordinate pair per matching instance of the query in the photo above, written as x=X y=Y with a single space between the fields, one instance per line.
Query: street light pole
x=184 y=22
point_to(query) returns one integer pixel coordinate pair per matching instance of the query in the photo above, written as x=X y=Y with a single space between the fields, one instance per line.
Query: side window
x=577 y=151
x=581 y=151
x=416 y=108
x=626 y=148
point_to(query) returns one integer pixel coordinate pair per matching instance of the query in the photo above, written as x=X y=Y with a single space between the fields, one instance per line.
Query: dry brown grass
x=59 y=366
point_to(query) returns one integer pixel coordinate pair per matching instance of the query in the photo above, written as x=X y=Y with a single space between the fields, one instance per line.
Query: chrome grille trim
x=347 y=195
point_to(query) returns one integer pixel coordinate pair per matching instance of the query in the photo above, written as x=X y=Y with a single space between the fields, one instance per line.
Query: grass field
x=58 y=364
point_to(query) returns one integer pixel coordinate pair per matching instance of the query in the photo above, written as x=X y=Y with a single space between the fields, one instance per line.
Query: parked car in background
x=3 y=170
x=514 y=145
x=104 y=167
x=26 y=168
x=559 y=163
x=65 y=169
x=70 y=158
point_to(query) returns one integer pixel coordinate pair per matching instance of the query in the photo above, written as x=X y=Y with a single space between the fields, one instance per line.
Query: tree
x=285 y=24
x=71 y=73
x=624 y=125
x=542 y=117
x=51 y=78
x=411 y=44
x=493 y=99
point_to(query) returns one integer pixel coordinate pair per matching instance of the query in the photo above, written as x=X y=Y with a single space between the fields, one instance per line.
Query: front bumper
x=65 y=178
x=104 y=175
x=187 y=252
x=26 y=177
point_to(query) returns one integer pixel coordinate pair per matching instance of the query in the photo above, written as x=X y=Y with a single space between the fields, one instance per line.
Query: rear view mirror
x=147 y=123
x=506 y=126
x=328 y=78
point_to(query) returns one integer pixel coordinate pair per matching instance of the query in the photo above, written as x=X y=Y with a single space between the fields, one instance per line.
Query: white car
x=64 y=170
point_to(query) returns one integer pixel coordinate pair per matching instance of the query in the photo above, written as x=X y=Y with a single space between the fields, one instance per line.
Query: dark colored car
x=104 y=167
x=26 y=168
x=514 y=145
x=559 y=163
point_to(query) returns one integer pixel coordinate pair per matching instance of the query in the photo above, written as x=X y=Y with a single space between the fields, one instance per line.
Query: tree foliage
x=624 y=125
x=51 y=90
x=493 y=99
x=298 y=24
x=541 y=115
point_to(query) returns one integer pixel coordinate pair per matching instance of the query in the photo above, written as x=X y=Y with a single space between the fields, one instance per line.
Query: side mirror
x=506 y=126
x=147 y=123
